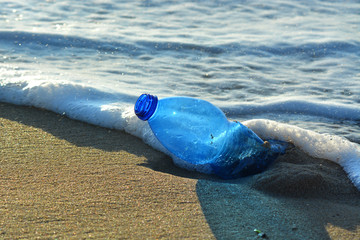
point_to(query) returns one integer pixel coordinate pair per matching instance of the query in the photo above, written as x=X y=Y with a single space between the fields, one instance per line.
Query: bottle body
x=196 y=131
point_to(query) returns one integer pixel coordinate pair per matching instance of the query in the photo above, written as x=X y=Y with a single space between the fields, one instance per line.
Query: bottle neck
x=145 y=106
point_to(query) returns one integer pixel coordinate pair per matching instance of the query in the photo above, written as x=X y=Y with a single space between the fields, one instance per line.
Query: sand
x=64 y=179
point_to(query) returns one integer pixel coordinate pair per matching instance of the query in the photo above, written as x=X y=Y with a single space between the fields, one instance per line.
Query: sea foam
x=330 y=147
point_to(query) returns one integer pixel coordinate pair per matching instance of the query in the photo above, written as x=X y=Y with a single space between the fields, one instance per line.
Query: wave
x=310 y=49
x=115 y=110
x=44 y=41
x=291 y=106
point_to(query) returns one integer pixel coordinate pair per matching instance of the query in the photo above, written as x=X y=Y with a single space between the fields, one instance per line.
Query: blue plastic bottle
x=196 y=131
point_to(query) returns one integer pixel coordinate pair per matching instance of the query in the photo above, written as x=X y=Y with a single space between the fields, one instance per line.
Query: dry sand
x=61 y=178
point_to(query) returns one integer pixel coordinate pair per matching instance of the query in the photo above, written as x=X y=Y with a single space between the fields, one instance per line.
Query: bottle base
x=252 y=165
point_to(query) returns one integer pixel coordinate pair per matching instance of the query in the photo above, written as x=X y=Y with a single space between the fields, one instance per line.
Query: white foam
x=115 y=111
x=334 y=148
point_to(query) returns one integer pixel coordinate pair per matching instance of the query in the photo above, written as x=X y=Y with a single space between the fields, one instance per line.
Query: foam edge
x=325 y=146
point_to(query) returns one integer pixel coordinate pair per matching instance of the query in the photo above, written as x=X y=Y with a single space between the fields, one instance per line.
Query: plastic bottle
x=196 y=131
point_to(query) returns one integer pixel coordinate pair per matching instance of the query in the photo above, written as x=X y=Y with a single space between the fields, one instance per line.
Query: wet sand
x=61 y=178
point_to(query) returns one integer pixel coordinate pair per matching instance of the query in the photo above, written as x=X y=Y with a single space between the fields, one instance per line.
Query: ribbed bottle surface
x=243 y=153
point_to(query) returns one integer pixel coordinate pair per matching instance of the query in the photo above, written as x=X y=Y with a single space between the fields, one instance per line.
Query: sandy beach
x=64 y=179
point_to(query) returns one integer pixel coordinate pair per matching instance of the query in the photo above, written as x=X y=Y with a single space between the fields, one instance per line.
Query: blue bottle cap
x=145 y=106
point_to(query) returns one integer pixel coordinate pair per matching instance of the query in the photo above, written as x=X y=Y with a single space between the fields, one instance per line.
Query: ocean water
x=287 y=69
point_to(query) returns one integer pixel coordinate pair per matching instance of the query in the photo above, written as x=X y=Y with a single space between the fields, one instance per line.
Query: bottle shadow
x=298 y=197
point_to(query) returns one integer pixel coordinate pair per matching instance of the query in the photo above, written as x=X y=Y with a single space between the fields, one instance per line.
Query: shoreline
x=61 y=178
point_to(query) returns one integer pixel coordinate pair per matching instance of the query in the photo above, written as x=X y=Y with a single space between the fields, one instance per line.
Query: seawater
x=293 y=64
